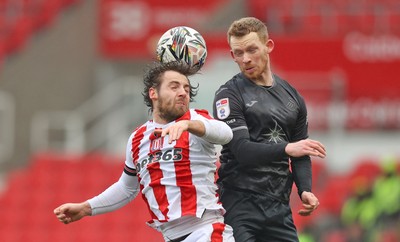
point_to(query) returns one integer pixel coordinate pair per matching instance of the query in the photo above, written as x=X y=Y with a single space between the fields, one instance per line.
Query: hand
x=310 y=203
x=71 y=212
x=174 y=131
x=306 y=147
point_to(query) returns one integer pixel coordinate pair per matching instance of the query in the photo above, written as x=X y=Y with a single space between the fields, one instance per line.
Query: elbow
x=239 y=151
x=228 y=137
x=217 y=132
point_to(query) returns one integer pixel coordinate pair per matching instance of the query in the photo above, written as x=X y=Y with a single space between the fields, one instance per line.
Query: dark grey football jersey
x=263 y=120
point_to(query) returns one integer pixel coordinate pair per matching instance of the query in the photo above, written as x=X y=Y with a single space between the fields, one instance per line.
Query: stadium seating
x=329 y=18
x=19 y=20
x=366 y=168
x=50 y=180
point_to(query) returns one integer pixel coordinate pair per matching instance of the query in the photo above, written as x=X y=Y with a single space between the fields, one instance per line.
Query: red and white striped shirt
x=176 y=179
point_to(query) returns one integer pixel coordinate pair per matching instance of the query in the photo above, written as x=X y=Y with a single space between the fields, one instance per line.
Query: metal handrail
x=97 y=123
x=7 y=125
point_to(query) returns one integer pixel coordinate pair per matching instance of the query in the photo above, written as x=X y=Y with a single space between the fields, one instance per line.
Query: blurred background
x=70 y=95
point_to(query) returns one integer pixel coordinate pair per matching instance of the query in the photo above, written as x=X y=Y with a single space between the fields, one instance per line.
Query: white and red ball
x=182 y=43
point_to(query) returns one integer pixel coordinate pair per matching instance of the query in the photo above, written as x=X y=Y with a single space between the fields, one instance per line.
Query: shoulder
x=282 y=82
x=194 y=114
x=200 y=113
x=231 y=87
x=292 y=91
x=231 y=84
x=285 y=84
x=141 y=129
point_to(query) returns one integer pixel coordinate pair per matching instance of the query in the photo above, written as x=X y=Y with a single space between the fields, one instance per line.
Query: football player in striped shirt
x=171 y=160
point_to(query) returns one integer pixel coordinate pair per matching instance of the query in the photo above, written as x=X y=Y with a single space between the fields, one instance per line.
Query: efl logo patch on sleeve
x=223 y=109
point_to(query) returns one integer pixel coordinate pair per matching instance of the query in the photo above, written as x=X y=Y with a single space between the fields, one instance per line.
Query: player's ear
x=153 y=93
x=270 y=45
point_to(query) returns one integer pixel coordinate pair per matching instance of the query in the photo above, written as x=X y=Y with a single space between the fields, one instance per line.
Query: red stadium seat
x=334 y=236
x=329 y=18
x=15 y=25
x=319 y=175
x=44 y=12
x=336 y=191
x=66 y=3
x=394 y=20
x=367 y=168
x=51 y=180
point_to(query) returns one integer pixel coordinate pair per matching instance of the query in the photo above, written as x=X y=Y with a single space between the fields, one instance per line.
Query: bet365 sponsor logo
x=157 y=156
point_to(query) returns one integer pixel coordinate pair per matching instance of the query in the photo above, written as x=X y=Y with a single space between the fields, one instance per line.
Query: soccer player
x=270 y=147
x=171 y=159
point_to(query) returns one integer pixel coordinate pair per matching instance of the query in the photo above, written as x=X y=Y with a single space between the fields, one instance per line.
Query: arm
x=217 y=132
x=249 y=151
x=114 y=197
x=302 y=175
x=211 y=130
x=301 y=166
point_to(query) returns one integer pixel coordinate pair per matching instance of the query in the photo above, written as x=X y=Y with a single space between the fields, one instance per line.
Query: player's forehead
x=174 y=77
x=243 y=42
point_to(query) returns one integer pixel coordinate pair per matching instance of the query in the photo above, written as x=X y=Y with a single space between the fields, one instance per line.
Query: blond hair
x=246 y=25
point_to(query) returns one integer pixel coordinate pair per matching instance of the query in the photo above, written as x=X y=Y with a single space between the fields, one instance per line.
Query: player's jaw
x=172 y=109
x=181 y=106
x=251 y=72
x=255 y=69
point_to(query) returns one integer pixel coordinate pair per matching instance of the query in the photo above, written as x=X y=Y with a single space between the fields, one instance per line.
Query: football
x=182 y=43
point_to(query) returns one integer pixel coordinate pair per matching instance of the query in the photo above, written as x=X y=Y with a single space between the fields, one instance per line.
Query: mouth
x=180 y=103
x=250 y=69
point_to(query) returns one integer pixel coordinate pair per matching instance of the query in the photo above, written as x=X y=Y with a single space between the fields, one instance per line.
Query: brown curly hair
x=152 y=78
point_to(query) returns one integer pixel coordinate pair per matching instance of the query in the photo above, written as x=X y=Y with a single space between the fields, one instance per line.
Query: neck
x=266 y=79
x=158 y=119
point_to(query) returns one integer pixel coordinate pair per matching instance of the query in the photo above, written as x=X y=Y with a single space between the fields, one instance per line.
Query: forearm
x=248 y=152
x=302 y=173
x=211 y=130
x=196 y=127
x=116 y=196
x=86 y=209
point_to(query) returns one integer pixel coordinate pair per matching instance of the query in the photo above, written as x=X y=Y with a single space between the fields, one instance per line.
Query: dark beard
x=169 y=115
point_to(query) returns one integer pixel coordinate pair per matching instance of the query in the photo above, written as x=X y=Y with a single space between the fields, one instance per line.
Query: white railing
x=58 y=130
x=104 y=121
x=7 y=129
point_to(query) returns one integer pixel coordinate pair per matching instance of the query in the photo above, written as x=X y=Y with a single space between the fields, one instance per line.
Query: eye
x=174 y=86
x=252 y=50
x=187 y=89
x=238 y=53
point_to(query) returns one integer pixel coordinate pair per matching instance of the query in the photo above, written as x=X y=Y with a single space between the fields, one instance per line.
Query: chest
x=156 y=151
x=270 y=109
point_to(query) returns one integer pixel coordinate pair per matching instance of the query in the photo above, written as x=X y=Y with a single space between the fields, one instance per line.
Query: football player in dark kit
x=270 y=147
